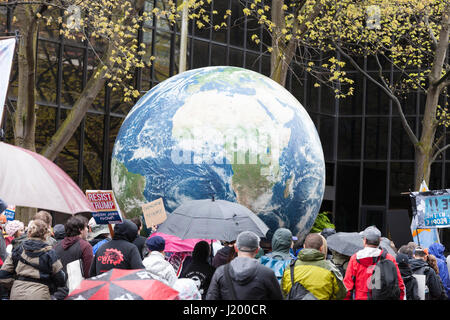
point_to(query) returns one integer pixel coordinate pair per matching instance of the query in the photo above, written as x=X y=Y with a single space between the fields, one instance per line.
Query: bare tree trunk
x=424 y=150
x=25 y=115
x=76 y=115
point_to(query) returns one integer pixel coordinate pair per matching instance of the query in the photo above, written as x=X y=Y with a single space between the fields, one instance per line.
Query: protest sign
x=106 y=209
x=154 y=212
x=10 y=213
x=431 y=208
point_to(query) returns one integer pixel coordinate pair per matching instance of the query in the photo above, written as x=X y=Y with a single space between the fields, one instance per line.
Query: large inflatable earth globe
x=225 y=132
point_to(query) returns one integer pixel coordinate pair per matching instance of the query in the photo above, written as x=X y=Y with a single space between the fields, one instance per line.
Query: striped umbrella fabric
x=30 y=180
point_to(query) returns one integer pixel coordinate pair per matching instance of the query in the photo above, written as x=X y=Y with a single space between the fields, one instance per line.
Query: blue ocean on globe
x=226 y=132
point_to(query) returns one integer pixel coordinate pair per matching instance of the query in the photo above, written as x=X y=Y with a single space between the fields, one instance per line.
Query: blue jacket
x=437 y=250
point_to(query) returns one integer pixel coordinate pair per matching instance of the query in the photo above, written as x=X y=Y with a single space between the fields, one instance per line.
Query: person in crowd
x=59 y=232
x=340 y=261
x=3 y=205
x=140 y=240
x=314 y=272
x=432 y=262
x=98 y=234
x=408 y=250
x=155 y=262
x=225 y=254
x=357 y=275
x=437 y=250
x=296 y=247
x=199 y=269
x=326 y=232
x=187 y=289
x=419 y=265
x=120 y=252
x=279 y=258
x=411 y=285
x=14 y=229
x=244 y=278
x=74 y=246
x=33 y=271
x=47 y=218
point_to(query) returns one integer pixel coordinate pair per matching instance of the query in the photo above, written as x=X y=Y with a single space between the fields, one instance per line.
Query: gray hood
x=243 y=270
x=281 y=243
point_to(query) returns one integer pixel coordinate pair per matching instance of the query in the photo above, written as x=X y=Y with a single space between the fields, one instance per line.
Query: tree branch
x=386 y=90
x=430 y=31
x=439 y=152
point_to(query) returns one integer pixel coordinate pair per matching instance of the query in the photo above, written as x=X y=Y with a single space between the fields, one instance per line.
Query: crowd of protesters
x=34 y=263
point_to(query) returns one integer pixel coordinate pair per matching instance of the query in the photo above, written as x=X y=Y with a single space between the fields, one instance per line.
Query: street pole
x=183 y=40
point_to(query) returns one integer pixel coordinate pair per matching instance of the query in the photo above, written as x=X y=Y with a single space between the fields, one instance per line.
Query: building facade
x=369 y=159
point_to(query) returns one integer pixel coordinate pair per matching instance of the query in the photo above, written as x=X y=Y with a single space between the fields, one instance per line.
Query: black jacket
x=201 y=272
x=250 y=279
x=411 y=286
x=223 y=256
x=120 y=252
x=142 y=247
x=433 y=282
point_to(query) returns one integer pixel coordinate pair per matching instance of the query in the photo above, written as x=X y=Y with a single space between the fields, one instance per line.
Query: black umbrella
x=348 y=243
x=212 y=219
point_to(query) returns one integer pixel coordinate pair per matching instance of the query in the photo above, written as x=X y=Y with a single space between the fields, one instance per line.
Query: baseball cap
x=247 y=241
x=371 y=233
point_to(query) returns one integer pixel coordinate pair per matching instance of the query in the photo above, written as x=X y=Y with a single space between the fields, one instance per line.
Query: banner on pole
x=432 y=208
x=106 y=209
x=422 y=236
x=6 y=58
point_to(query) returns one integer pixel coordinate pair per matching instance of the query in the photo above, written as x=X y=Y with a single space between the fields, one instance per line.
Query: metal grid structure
x=369 y=159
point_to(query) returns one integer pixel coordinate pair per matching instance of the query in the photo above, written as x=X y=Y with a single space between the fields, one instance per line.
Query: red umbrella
x=120 y=284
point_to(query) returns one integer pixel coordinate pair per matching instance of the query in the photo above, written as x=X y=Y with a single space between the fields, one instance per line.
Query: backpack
x=298 y=291
x=383 y=283
x=276 y=265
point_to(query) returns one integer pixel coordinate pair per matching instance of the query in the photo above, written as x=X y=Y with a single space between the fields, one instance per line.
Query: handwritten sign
x=154 y=212
x=106 y=209
x=432 y=208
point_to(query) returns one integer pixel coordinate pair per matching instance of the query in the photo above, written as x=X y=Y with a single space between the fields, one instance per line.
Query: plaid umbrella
x=119 y=284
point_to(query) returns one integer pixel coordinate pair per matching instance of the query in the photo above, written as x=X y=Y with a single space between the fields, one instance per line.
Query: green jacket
x=321 y=277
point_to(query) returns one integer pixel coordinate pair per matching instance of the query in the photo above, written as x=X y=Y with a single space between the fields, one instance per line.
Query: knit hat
x=13 y=226
x=247 y=241
x=59 y=231
x=371 y=233
x=402 y=259
x=156 y=243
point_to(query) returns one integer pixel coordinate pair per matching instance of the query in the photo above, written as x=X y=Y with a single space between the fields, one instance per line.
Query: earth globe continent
x=226 y=132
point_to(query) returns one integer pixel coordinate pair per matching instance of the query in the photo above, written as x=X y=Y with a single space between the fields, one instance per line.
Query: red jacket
x=358 y=274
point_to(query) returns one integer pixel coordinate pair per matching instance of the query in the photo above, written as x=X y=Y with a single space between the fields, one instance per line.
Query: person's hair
x=412 y=244
x=44 y=216
x=324 y=243
x=420 y=253
x=37 y=229
x=432 y=262
x=74 y=225
x=137 y=221
x=313 y=241
x=406 y=249
x=201 y=251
